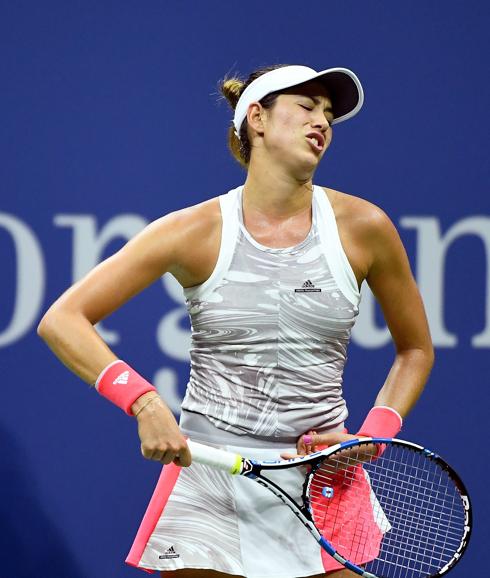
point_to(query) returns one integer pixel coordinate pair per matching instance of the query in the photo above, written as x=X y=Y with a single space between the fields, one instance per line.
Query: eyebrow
x=317 y=100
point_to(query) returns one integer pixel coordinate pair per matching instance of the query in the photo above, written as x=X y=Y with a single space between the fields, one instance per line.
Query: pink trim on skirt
x=165 y=485
x=349 y=517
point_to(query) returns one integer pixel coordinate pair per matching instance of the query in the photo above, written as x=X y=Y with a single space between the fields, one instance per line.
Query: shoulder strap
x=332 y=247
x=229 y=232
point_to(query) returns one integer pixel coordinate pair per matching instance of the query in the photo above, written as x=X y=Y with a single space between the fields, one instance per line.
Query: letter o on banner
x=30 y=279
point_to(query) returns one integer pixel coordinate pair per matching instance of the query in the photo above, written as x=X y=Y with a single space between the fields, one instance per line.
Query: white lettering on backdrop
x=432 y=249
x=172 y=335
x=89 y=244
x=431 y=252
x=30 y=279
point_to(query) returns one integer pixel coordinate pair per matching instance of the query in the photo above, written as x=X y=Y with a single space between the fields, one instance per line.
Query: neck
x=271 y=189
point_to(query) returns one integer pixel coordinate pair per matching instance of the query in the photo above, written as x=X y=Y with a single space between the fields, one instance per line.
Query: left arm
x=391 y=280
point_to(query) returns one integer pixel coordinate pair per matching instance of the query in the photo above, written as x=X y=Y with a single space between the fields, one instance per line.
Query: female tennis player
x=271 y=273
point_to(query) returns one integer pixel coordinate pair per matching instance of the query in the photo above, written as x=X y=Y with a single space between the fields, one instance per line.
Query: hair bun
x=231 y=89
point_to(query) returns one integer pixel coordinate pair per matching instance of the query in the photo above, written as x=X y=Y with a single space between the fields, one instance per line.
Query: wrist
x=143 y=401
x=122 y=385
x=381 y=422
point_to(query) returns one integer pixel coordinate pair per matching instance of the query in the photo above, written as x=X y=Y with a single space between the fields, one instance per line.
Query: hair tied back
x=231 y=89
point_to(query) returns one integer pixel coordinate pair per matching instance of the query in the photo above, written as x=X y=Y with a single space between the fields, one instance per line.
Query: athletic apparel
x=230 y=524
x=341 y=82
x=270 y=330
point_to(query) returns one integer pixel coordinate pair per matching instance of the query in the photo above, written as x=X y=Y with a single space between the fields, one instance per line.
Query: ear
x=255 y=117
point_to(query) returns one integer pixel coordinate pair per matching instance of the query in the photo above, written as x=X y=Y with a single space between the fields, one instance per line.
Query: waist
x=200 y=428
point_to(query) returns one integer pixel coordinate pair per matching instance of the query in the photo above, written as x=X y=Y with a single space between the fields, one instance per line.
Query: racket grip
x=216 y=458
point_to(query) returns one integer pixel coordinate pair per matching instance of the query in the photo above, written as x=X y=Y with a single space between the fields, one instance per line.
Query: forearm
x=406 y=380
x=76 y=343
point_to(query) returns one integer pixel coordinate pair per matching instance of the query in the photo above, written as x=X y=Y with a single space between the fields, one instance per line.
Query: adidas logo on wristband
x=123 y=378
x=122 y=385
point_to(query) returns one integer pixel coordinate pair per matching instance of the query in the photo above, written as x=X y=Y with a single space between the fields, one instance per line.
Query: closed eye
x=328 y=113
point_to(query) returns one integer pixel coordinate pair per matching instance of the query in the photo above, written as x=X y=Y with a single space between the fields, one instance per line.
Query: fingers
x=167 y=453
x=322 y=441
x=305 y=443
x=307 y=440
x=161 y=439
x=184 y=458
x=311 y=441
x=286 y=456
x=304 y=446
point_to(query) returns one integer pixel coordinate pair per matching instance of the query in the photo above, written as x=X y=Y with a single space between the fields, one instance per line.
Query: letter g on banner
x=30 y=279
x=89 y=244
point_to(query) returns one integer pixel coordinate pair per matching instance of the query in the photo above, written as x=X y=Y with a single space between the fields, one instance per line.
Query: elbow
x=50 y=325
x=420 y=357
x=58 y=322
x=46 y=326
x=426 y=361
x=430 y=356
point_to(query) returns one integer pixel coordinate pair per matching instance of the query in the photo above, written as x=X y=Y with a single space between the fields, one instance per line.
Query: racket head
x=388 y=508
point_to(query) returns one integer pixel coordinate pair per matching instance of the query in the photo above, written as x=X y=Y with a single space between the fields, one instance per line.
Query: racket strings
x=429 y=523
x=400 y=514
x=430 y=532
x=391 y=491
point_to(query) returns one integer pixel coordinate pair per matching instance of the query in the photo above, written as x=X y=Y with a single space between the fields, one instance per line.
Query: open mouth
x=316 y=140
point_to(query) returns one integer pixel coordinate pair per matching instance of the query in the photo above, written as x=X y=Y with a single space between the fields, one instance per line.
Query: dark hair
x=232 y=88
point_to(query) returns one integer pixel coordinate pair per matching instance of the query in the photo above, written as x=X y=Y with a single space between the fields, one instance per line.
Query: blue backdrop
x=110 y=118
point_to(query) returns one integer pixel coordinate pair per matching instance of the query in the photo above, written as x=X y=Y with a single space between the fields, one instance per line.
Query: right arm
x=163 y=246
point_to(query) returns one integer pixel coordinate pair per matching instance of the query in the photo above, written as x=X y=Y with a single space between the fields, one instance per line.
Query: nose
x=320 y=122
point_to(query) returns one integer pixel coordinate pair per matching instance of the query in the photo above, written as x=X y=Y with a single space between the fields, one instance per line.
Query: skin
x=277 y=213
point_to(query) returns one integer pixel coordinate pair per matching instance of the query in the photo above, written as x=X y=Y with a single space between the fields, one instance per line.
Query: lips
x=316 y=140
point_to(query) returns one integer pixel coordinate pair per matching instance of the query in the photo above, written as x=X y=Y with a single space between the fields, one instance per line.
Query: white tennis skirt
x=201 y=518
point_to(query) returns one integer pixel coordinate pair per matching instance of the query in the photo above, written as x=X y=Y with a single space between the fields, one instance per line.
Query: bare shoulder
x=363 y=222
x=366 y=232
x=190 y=238
x=357 y=212
x=189 y=221
x=178 y=230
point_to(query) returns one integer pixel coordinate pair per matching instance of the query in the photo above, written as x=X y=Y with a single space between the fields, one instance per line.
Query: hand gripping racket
x=383 y=508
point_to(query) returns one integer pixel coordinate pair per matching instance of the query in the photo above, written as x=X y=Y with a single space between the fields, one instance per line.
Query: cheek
x=286 y=125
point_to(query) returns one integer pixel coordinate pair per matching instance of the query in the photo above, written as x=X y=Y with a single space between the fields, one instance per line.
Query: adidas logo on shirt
x=308 y=287
x=168 y=554
x=123 y=378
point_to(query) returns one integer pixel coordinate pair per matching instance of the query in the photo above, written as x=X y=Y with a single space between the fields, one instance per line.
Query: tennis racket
x=383 y=508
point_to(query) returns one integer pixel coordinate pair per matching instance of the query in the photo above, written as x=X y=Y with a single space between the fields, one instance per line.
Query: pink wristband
x=122 y=385
x=381 y=422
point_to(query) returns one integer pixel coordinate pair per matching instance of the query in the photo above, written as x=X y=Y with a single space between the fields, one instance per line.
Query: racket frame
x=235 y=464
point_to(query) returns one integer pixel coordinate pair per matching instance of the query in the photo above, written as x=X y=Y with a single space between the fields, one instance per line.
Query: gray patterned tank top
x=270 y=329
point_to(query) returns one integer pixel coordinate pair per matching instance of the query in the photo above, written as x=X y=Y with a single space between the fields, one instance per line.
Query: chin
x=301 y=165
x=305 y=166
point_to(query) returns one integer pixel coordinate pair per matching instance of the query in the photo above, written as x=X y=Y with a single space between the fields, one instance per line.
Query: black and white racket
x=383 y=508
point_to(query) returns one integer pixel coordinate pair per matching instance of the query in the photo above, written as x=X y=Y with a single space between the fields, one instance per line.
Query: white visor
x=342 y=84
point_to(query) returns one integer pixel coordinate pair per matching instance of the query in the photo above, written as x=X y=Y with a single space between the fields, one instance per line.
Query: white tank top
x=270 y=329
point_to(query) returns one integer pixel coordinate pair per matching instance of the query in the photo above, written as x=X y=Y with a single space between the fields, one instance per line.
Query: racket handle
x=216 y=458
